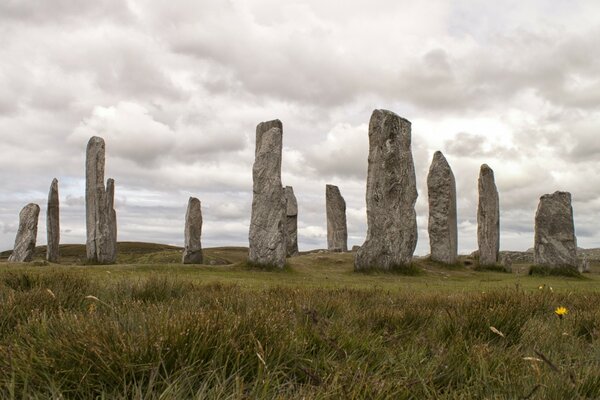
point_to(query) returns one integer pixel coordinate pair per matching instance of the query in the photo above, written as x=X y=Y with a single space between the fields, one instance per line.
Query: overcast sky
x=176 y=88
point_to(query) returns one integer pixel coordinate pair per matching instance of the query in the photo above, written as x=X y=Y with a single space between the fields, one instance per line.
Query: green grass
x=317 y=329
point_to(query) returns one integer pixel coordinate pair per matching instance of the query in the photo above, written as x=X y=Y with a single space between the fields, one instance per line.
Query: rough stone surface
x=555 y=242
x=337 y=231
x=391 y=195
x=488 y=218
x=192 y=251
x=26 y=235
x=441 y=189
x=291 y=221
x=53 y=224
x=267 y=237
x=101 y=218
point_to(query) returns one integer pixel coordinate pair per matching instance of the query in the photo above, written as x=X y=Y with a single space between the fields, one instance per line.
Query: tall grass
x=63 y=335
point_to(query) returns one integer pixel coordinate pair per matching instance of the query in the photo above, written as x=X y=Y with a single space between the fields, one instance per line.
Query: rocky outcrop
x=26 y=235
x=101 y=221
x=53 y=224
x=391 y=195
x=291 y=221
x=267 y=237
x=337 y=231
x=441 y=189
x=192 y=250
x=555 y=242
x=488 y=218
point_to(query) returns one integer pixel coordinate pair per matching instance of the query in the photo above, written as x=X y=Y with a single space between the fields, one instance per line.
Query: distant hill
x=143 y=253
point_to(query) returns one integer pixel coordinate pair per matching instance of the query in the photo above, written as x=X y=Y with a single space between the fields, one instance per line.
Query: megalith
x=441 y=189
x=267 y=236
x=391 y=195
x=101 y=220
x=337 y=230
x=53 y=224
x=488 y=218
x=555 y=242
x=26 y=235
x=291 y=221
x=192 y=250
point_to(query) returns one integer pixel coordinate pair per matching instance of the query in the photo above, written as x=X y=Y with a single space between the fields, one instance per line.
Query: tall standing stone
x=101 y=218
x=337 y=231
x=441 y=189
x=391 y=195
x=53 y=224
x=26 y=235
x=267 y=236
x=192 y=251
x=555 y=242
x=488 y=218
x=291 y=221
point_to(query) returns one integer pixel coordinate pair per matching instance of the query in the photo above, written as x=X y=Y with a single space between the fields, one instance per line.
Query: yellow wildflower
x=561 y=311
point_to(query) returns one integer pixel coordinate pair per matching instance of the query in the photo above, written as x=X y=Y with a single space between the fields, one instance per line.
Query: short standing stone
x=441 y=188
x=291 y=221
x=267 y=236
x=53 y=224
x=488 y=218
x=192 y=251
x=26 y=235
x=337 y=231
x=555 y=242
x=391 y=195
x=110 y=252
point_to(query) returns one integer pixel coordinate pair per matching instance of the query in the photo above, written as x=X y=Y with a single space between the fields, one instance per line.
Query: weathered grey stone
x=101 y=222
x=291 y=221
x=53 y=224
x=26 y=235
x=555 y=242
x=584 y=265
x=391 y=195
x=337 y=230
x=488 y=218
x=267 y=237
x=441 y=189
x=192 y=251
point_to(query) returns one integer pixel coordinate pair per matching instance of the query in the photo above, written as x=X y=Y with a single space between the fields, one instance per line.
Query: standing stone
x=488 y=218
x=337 y=231
x=53 y=224
x=192 y=251
x=291 y=221
x=441 y=188
x=267 y=237
x=391 y=195
x=26 y=235
x=101 y=221
x=555 y=242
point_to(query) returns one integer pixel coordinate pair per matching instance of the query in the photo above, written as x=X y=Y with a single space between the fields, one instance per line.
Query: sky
x=177 y=88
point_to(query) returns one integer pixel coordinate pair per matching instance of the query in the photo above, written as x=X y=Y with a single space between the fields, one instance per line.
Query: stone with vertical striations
x=26 y=235
x=391 y=195
x=291 y=221
x=337 y=231
x=267 y=236
x=488 y=218
x=101 y=221
x=555 y=242
x=192 y=251
x=53 y=224
x=441 y=189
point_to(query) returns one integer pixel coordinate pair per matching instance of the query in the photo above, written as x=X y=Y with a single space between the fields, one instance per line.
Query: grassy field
x=150 y=328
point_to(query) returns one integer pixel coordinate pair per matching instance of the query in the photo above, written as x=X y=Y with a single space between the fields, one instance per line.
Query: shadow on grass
x=492 y=268
x=252 y=266
x=411 y=269
x=564 y=270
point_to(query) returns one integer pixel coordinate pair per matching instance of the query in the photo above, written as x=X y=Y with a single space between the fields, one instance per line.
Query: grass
x=314 y=330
